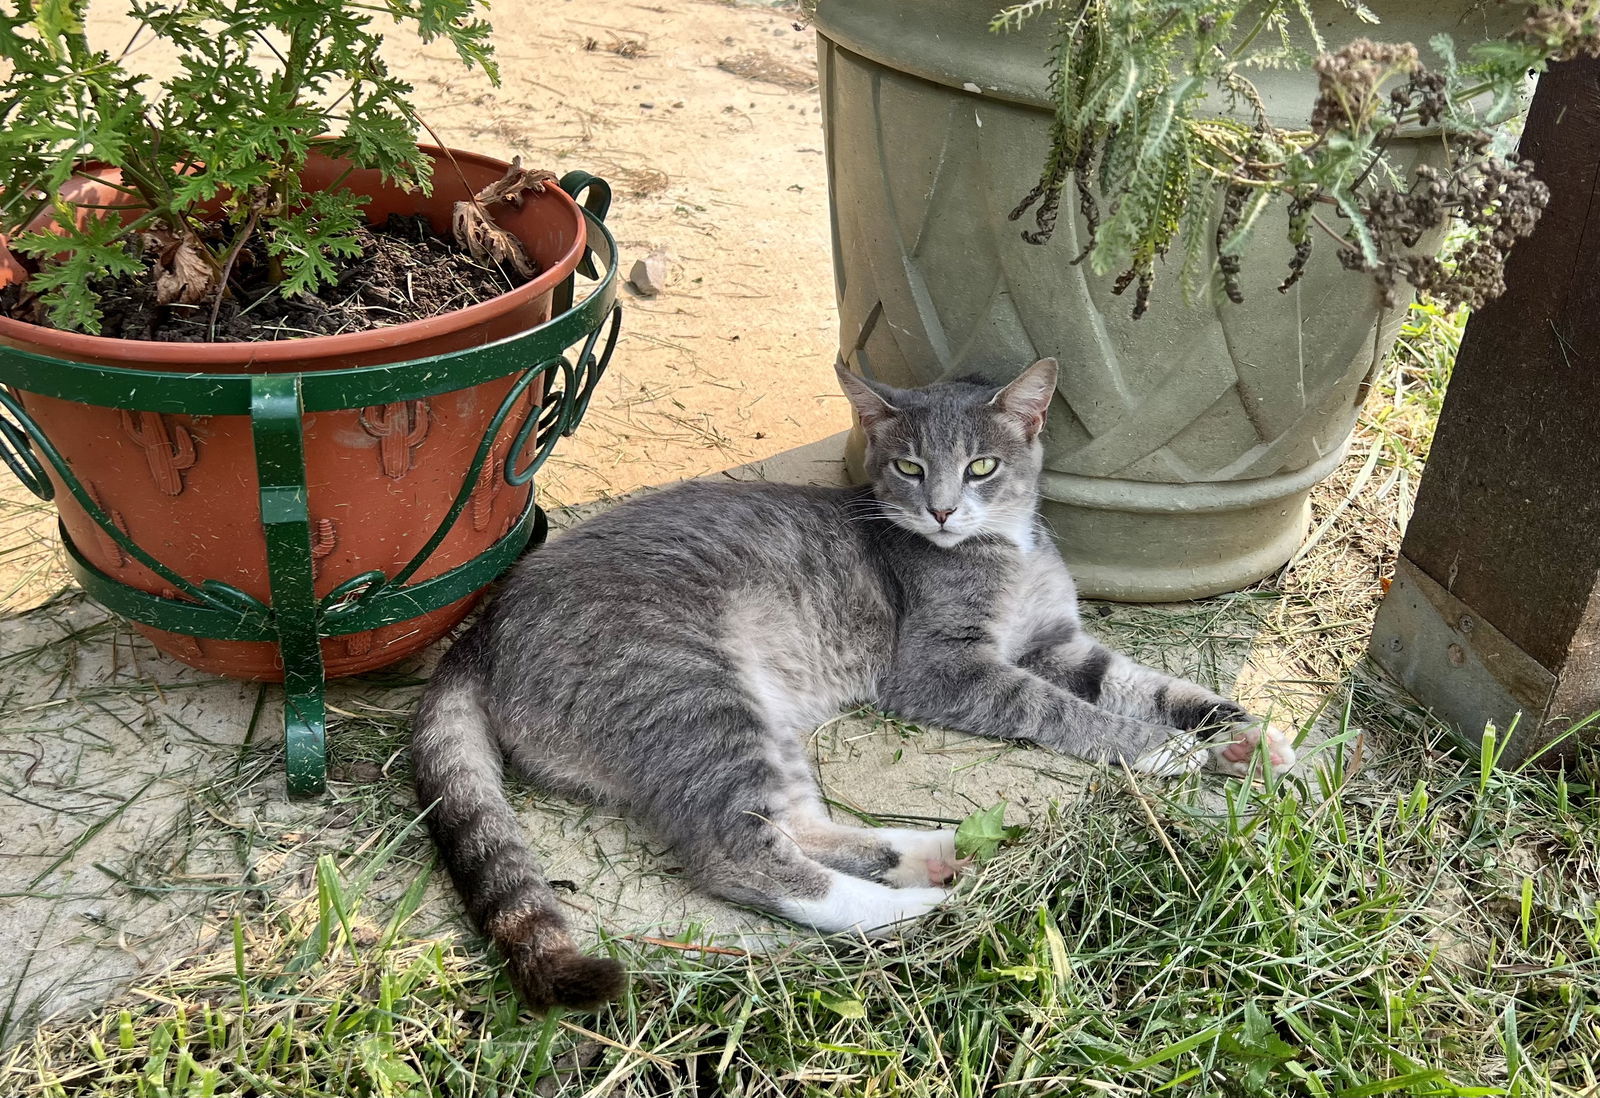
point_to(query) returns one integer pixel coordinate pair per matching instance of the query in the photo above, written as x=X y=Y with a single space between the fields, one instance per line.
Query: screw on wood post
x=167 y=451
x=398 y=427
x=1494 y=614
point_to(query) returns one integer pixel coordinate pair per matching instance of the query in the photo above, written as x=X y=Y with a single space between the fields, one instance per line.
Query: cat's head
x=956 y=459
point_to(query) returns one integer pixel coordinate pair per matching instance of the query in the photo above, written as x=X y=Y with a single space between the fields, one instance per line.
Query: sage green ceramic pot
x=1183 y=447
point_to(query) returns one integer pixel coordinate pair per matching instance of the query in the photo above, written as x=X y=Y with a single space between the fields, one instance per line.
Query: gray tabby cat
x=671 y=656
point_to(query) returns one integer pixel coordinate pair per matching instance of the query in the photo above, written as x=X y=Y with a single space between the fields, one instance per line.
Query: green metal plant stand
x=295 y=619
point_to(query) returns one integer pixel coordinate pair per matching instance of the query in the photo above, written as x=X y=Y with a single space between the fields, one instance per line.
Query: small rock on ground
x=649 y=275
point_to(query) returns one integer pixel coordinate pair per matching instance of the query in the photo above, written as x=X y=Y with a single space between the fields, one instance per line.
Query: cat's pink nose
x=941 y=516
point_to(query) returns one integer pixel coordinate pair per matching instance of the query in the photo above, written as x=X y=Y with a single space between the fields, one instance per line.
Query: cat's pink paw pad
x=942 y=872
x=1237 y=755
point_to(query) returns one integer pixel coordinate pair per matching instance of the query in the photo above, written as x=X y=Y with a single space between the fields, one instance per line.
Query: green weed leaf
x=72 y=262
x=983 y=832
x=389 y=1074
x=844 y=1006
x=308 y=240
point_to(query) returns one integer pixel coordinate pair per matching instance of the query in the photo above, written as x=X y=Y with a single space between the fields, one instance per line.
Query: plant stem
x=82 y=174
x=1323 y=225
x=1255 y=31
x=239 y=242
x=285 y=85
x=1471 y=93
x=143 y=177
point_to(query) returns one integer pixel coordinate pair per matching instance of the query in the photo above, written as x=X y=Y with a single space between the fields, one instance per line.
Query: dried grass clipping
x=473 y=221
x=761 y=65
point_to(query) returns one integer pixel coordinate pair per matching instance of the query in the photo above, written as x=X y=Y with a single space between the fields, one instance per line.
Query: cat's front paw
x=891 y=917
x=1236 y=755
x=1177 y=755
x=926 y=858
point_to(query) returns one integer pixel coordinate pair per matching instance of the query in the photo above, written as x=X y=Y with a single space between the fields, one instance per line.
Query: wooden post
x=1495 y=607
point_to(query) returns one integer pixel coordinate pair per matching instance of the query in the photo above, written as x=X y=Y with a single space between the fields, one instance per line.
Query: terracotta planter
x=380 y=478
x=1183 y=447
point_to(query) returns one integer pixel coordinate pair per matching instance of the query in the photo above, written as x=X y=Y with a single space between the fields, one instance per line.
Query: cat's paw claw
x=1237 y=755
x=1176 y=756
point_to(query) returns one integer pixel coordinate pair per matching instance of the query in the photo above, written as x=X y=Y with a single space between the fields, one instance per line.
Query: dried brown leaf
x=184 y=271
x=509 y=187
x=475 y=229
x=483 y=239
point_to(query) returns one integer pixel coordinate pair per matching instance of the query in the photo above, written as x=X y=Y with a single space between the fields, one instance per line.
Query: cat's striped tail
x=458 y=773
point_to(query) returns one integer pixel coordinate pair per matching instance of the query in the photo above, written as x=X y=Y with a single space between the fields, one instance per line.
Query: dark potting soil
x=405 y=272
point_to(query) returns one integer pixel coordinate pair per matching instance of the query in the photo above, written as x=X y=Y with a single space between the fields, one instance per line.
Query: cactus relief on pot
x=490 y=478
x=399 y=428
x=324 y=539
x=108 y=545
x=167 y=450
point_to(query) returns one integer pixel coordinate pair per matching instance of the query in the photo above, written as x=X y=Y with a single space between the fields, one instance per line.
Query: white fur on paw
x=1237 y=755
x=908 y=903
x=1177 y=755
x=927 y=858
x=855 y=906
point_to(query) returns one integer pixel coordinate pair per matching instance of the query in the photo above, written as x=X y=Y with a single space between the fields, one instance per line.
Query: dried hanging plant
x=1131 y=80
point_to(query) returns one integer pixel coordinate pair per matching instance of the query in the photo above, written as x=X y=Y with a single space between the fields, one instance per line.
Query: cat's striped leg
x=949 y=681
x=751 y=838
x=1111 y=680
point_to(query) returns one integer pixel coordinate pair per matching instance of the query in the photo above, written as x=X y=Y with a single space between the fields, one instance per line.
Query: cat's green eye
x=909 y=468
x=983 y=467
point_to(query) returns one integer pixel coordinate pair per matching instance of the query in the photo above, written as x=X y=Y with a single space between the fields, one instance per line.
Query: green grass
x=1419 y=925
x=1411 y=392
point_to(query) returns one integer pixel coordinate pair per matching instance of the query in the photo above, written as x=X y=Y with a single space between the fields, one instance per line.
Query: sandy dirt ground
x=143 y=802
x=704 y=117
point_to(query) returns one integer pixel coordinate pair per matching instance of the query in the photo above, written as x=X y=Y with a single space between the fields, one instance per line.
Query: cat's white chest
x=1042 y=597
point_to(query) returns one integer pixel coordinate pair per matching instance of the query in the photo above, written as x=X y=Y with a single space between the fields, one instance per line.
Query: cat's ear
x=869 y=404
x=1027 y=399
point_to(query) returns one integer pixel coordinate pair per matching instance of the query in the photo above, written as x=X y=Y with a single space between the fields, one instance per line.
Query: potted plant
x=1265 y=182
x=265 y=494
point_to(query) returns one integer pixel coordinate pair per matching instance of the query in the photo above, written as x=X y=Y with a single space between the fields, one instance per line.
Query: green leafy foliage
x=1139 y=85
x=96 y=251
x=222 y=141
x=305 y=241
x=845 y=1006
